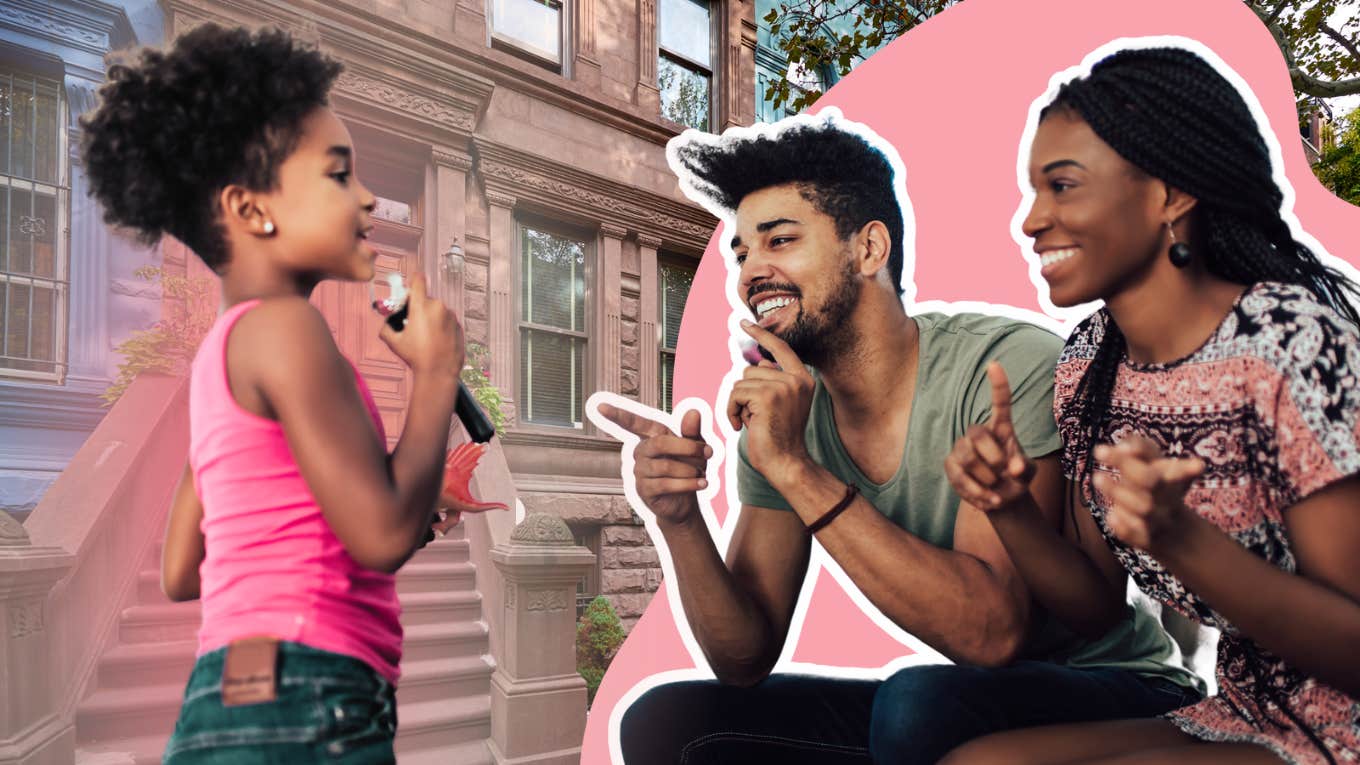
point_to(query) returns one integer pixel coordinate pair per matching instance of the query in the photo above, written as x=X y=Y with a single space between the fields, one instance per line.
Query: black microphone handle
x=474 y=420
x=469 y=412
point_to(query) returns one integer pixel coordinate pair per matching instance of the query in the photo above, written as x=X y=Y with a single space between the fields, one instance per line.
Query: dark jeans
x=916 y=716
x=330 y=708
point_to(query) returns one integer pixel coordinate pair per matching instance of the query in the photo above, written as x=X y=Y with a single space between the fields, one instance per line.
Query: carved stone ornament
x=521 y=177
x=12 y=533
x=68 y=32
x=542 y=530
x=403 y=100
x=545 y=600
x=25 y=618
x=456 y=161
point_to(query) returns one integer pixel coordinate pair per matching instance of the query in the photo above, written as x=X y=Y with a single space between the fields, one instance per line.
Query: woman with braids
x=226 y=142
x=1210 y=413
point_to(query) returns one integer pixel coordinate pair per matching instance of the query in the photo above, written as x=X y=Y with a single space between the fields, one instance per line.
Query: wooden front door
x=355 y=325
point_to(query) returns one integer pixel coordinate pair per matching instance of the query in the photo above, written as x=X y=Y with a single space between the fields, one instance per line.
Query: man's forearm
x=1059 y=575
x=951 y=600
x=735 y=634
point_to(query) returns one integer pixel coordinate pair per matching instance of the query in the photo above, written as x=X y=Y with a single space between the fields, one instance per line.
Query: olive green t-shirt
x=953 y=393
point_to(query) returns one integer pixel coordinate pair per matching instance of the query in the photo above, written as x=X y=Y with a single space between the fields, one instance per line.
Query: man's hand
x=987 y=467
x=772 y=402
x=669 y=468
x=1147 y=503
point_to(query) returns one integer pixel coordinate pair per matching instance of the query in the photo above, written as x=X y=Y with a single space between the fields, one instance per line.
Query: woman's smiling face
x=1097 y=220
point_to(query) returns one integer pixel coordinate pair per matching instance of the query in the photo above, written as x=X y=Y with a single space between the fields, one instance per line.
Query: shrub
x=598 y=637
x=477 y=377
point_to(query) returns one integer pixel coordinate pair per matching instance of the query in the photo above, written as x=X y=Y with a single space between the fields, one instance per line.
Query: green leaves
x=1323 y=55
x=476 y=376
x=836 y=35
x=1339 y=167
x=599 y=633
x=168 y=347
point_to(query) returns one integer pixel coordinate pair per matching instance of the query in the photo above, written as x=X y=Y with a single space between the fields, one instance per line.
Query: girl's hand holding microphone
x=431 y=343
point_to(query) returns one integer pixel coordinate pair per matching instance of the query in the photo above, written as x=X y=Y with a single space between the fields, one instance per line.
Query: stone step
x=149 y=588
x=113 y=714
x=466 y=753
x=446 y=550
x=160 y=623
x=138 y=750
x=443 y=723
x=444 y=678
x=442 y=565
x=440 y=607
x=453 y=548
x=131 y=665
x=445 y=641
x=418 y=576
x=433 y=592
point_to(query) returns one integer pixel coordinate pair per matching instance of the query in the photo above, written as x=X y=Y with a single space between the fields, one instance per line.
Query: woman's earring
x=1180 y=251
x=269 y=227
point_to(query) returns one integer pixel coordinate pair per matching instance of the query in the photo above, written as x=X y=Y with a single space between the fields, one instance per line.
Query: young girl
x=1223 y=368
x=226 y=142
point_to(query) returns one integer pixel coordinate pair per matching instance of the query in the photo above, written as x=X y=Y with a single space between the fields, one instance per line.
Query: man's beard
x=822 y=338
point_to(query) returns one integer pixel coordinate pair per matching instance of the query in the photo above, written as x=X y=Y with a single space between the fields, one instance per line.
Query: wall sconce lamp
x=453 y=261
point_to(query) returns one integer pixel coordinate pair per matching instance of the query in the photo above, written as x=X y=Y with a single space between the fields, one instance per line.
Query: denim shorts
x=330 y=708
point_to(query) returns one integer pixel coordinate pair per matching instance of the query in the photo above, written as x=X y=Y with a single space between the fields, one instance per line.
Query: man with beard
x=845 y=428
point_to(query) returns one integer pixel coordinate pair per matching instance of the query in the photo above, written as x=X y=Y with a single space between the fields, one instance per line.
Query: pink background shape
x=952 y=97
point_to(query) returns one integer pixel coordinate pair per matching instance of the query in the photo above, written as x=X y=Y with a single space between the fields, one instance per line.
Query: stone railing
x=538 y=700
x=91 y=531
x=31 y=730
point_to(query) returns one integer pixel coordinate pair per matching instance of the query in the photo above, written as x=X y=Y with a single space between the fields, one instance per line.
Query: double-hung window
x=33 y=268
x=531 y=28
x=553 y=334
x=684 y=68
x=674 y=284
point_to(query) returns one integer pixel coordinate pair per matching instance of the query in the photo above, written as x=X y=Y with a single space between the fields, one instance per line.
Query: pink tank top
x=273 y=565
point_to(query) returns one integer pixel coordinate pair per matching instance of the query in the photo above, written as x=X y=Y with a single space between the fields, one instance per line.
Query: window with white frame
x=33 y=278
x=553 y=333
x=684 y=68
x=535 y=28
x=674 y=283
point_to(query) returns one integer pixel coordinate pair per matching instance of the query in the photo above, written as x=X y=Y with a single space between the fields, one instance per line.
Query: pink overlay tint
x=953 y=97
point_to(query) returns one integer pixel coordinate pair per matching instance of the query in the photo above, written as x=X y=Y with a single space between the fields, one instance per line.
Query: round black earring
x=1179 y=253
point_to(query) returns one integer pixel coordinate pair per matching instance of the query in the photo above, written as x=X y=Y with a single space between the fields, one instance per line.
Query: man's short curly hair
x=838 y=171
x=173 y=128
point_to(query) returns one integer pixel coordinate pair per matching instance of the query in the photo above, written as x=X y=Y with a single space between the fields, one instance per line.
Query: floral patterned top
x=1271 y=404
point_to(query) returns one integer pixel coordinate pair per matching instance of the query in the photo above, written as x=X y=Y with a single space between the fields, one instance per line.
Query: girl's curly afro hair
x=173 y=128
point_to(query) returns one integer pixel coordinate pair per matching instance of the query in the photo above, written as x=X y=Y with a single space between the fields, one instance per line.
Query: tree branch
x=1315 y=86
x=1340 y=39
x=1275 y=14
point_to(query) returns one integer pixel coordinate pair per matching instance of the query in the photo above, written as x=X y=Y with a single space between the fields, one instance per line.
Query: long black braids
x=1171 y=114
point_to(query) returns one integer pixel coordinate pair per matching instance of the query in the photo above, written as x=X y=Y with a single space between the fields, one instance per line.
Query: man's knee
x=920 y=714
x=657 y=726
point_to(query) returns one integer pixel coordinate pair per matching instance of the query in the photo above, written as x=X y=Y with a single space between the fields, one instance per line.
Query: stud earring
x=1179 y=254
x=269 y=227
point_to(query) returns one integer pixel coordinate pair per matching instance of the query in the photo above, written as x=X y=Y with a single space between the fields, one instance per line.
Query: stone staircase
x=443 y=700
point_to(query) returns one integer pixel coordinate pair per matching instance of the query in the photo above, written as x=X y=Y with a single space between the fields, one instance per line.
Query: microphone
x=469 y=412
